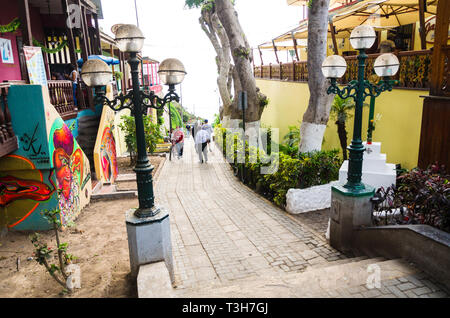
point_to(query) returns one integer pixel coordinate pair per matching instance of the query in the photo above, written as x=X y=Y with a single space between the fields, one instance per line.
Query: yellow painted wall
x=398 y=130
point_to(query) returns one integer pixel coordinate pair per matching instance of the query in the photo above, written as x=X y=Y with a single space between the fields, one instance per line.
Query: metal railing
x=414 y=72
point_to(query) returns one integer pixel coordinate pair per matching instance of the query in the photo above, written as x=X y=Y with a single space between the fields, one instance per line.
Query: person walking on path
x=178 y=139
x=195 y=129
x=210 y=131
x=201 y=142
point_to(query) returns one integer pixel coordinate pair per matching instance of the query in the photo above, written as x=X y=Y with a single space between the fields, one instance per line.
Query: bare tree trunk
x=212 y=27
x=242 y=57
x=342 y=133
x=317 y=114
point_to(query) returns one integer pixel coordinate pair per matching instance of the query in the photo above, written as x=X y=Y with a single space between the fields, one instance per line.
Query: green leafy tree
x=216 y=120
x=341 y=110
x=152 y=131
x=175 y=115
x=291 y=141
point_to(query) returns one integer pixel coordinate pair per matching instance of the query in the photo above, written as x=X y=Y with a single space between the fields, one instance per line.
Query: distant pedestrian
x=210 y=131
x=201 y=142
x=178 y=138
x=197 y=127
x=73 y=77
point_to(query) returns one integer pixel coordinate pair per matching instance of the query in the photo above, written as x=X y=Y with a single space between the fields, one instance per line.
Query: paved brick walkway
x=223 y=232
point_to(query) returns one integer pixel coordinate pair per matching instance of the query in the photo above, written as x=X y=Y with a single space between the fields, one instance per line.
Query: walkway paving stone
x=223 y=232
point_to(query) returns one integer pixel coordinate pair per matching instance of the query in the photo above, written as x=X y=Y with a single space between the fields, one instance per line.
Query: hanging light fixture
x=52 y=42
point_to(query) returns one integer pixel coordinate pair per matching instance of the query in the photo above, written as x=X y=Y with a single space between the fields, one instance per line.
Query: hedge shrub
x=294 y=171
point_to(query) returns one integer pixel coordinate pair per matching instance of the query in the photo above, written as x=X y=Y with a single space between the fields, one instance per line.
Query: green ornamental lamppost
x=97 y=74
x=334 y=67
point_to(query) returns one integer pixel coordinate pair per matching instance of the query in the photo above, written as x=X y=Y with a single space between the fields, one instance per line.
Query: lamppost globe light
x=96 y=73
x=334 y=66
x=362 y=37
x=171 y=71
x=129 y=38
x=386 y=65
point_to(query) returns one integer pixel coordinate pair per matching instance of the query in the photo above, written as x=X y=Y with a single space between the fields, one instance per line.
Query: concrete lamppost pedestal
x=149 y=240
x=348 y=212
x=350 y=203
x=148 y=226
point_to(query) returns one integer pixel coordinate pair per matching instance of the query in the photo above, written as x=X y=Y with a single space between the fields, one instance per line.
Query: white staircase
x=375 y=172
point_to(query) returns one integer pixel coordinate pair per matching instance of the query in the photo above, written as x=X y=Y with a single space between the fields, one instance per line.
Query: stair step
x=87 y=119
x=338 y=262
x=316 y=282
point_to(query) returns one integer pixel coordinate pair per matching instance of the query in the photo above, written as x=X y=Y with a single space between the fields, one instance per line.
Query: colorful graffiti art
x=108 y=156
x=12 y=189
x=68 y=163
x=22 y=190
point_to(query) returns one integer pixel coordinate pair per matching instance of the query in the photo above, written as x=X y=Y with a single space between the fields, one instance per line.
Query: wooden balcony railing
x=414 y=72
x=8 y=140
x=61 y=97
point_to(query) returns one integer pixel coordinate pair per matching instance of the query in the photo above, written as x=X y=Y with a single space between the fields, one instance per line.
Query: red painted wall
x=9 y=11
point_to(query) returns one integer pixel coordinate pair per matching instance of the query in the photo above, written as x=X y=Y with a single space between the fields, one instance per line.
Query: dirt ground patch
x=99 y=240
x=125 y=168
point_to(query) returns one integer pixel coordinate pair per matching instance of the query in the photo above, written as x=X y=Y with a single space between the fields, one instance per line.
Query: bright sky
x=171 y=30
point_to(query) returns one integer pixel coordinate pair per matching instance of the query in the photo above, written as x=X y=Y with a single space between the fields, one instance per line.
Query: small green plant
x=341 y=110
x=118 y=75
x=422 y=196
x=45 y=255
x=216 y=120
x=291 y=141
x=152 y=135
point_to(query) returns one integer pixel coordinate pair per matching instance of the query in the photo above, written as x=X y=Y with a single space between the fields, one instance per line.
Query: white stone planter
x=310 y=199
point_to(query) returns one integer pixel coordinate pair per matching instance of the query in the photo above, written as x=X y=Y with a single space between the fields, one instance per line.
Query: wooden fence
x=61 y=97
x=414 y=72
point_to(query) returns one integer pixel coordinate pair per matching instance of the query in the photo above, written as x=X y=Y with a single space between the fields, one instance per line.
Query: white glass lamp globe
x=129 y=38
x=334 y=66
x=362 y=37
x=96 y=73
x=171 y=71
x=386 y=65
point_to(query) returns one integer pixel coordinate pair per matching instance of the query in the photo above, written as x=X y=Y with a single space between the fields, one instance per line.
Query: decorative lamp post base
x=149 y=240
x=349 y=211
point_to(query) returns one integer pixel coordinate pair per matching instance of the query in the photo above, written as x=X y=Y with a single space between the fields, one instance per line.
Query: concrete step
x=316 y=282
x=88 y=119
x=338 y=262
x=102 y=192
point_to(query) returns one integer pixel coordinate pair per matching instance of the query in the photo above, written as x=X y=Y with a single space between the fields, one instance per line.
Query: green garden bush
x=152 y=135
x=294 y=170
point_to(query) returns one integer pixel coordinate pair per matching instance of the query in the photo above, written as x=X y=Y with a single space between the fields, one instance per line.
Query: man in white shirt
x=210 y=131
x=201 y=142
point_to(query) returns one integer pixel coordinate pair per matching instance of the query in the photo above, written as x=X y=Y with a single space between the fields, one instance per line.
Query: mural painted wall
x=398 y=129
x=121 y=146
x=105 y=154
x=48 y=171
